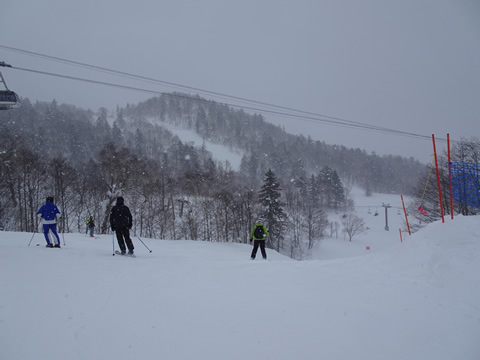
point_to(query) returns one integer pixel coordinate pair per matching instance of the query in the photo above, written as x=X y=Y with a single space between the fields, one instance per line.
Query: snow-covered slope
x=220 y=153
x=200 y=300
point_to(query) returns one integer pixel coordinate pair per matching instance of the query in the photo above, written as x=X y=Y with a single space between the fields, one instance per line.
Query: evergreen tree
x=332 y=192
x=325 y=187
x=272 y=210
x=338 y=191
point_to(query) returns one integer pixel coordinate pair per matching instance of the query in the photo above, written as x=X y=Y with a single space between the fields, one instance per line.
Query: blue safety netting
x=466 y=183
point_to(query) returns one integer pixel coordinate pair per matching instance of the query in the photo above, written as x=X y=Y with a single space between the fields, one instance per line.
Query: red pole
x=438 y=178
x=450 y=175
x=406 y=218
x=400 y=234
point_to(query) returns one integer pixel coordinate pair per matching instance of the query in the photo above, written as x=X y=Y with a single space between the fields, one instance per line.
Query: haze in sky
x=408 y=65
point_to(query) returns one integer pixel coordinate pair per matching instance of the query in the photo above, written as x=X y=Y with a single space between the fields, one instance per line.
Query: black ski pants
x=123 y=237
x=256 y=243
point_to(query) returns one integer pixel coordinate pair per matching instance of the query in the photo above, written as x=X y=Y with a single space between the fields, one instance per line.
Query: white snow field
x=419 y=299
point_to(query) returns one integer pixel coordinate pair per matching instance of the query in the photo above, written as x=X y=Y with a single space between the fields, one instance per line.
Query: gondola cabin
x=8 y=99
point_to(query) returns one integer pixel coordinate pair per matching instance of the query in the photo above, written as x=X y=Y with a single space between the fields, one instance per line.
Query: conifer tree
x=338 y=191
x=331 y=188
x=272 y=210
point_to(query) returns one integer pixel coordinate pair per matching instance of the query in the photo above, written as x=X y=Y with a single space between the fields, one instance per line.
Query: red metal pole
x=438 y=178
x=406 y=218
x=450 y=176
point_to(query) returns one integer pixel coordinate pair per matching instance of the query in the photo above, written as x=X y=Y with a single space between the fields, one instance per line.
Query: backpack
x=258 y=233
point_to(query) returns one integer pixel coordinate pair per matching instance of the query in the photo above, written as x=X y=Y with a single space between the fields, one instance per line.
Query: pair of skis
x=130 y=255
x=124 y=254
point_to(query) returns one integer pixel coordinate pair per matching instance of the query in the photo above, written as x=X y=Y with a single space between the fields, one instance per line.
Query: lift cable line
x=180 y=96
x=259 y=110
x=167 y=83
x=335 y=120
x=292 y=113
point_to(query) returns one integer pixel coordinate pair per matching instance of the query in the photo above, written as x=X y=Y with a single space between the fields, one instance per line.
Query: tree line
x=85 y=159
x=268 y=146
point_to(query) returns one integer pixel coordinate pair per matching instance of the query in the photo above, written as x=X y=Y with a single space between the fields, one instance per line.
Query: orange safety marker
x=406 y=218
x=438 y=178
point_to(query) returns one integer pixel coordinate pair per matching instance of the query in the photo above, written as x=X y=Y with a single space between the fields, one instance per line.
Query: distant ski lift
x=8 y=99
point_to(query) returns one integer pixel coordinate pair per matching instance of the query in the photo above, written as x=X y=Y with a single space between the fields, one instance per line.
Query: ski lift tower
x=386 y=206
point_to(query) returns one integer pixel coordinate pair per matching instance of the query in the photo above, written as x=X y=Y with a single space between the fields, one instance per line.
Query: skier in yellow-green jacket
x=258 y=235
x=91 y=226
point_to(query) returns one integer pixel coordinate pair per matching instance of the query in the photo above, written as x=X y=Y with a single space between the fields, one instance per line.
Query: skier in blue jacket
x=49 y=214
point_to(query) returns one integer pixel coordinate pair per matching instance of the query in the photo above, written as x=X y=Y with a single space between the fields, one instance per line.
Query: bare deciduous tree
x=352 y=225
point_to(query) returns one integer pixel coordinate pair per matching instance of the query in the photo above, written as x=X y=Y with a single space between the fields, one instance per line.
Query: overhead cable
x=292 y=113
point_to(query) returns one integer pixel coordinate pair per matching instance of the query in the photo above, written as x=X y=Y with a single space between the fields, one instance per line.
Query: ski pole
x=113 y=243
x=143 y=243
x=31 y=239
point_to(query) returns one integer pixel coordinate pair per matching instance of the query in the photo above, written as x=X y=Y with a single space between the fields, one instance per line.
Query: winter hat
x=260 y=220
x=49 y=199
x=120 y=200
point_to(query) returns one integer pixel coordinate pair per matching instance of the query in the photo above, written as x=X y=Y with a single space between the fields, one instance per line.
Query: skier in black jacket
x=121 y=223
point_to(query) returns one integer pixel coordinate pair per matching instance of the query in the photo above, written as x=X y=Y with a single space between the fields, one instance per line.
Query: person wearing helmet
x=258 y=235
x=49 y=214
x=121 y=223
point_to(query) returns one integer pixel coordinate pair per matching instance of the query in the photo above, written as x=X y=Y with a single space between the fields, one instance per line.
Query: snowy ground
x=419 y=299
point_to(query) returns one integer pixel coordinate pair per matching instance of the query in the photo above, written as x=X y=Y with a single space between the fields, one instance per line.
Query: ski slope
x=375 y=237
x=220 y=153
x=200 y=300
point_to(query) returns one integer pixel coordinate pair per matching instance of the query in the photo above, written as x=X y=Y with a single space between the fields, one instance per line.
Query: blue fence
x=466 y=183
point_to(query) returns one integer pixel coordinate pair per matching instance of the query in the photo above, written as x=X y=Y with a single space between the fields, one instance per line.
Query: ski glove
x=251 y=240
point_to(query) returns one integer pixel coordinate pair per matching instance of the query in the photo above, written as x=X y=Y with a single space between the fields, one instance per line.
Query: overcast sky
x=408 y=65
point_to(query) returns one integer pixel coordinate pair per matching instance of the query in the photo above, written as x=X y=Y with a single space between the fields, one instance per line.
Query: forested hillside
x=269 y=146
x=177 y=190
